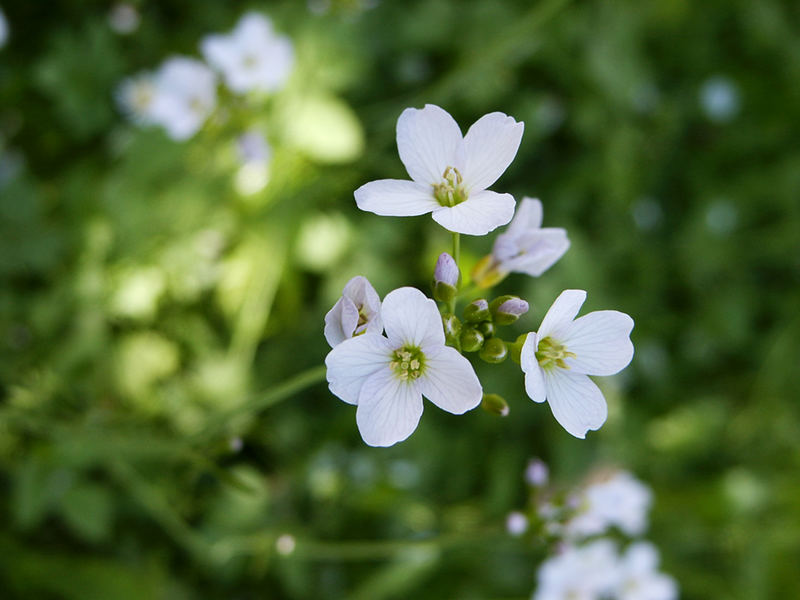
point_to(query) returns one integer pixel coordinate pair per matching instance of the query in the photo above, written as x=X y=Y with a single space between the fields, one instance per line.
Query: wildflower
x=184 y=96
x=536 y=473
x=252 y=57
x=135 y=96
x=124 y=18
x=357 y=311
x=559 y=357
x=620 y=501
x=579 y=573
x=386 y=376
x=638 y=577
x=450 y=173
x=525 y=247
x=516 y=523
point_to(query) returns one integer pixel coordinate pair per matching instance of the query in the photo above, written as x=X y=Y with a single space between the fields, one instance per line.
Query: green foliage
x=151 y=311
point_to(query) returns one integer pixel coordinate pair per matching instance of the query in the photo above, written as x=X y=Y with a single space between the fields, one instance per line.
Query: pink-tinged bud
x=507 y=309
x=445 y=278
x=536 y=473
x=477 y=311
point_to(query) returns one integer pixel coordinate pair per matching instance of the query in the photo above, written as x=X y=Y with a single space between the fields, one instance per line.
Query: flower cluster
x=182 y=93
x=386 y=376
x=586 y=565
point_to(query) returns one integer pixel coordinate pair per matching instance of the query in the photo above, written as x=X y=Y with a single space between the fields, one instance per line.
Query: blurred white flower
x=136 y=96
x=252 y=57
x=719 y=97
x=123 y=18
x=638 y=577
x=524 y=247
x=184 y=96
x=536 y=473
x=357 y=311
x=450 y=172
x=579 y=573
x=386 y=376
x=516 y=523
x=620 y=501
x=3 y=29
x=559 y=357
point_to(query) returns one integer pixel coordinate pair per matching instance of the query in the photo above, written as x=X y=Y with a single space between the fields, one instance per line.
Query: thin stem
x=268 y=398
x=451 y=306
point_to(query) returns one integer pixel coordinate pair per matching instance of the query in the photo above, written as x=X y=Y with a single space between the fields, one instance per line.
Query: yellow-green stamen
x=408 y=363
x=450 y=192
x=552 y=354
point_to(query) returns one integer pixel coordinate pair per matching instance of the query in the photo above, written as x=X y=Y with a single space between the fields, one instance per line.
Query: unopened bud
x=452 y=331
x=477 y=311
x=487 y=329
x=507 y=309
x=445 y=278
x=471 y=339
x=494 y=350
x=495 y=404
x=536 y=473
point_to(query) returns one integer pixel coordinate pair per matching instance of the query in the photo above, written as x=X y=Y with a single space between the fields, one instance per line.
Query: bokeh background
x=153 y=300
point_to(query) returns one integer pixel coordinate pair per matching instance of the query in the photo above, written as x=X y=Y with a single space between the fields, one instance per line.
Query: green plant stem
x=451 y=306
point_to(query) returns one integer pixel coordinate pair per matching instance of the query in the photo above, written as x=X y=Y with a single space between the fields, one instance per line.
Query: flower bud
x=471 y=339
x=507 y=309
x=515 y=348
x=487 y=329
x=495 y=404
x=477 y=311
x=452 y=331
x=536 y=473
x=445 y=278
x=494 y=350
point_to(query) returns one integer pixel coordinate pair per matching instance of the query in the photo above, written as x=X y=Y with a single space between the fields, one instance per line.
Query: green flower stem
x=271 y=397
x=451 y=306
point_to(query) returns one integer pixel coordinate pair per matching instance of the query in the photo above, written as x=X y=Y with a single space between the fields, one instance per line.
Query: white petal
x=449 y=381
x=577 y=403
x=527 y=217
x=219 y=51
x=557 y=321
x=352 y=362
x=601 y=341
x=534 y=252
x=411 y=319
x=490 y=146
x=395 y=198
x=429 y=141
x=365 y=299
x=341 y=321
x=388 y=409
x=478 y=215
x=534 y=378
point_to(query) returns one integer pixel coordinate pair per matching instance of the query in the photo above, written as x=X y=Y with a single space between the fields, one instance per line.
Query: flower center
x=451 y=190
x=408 y=363
x=552 y=354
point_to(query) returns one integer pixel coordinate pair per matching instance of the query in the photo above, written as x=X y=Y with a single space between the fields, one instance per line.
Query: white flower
x=559 y=357
x=450 y=173
x=527 y=247
x=386 y=377
x=252 y=57
x=135 y=96
x=638 y=578
x=3 y=29
x=124 y=18
x=579 y=573
x=357 y=311
x=620 y=501
x=516 y=523
x=184 y=96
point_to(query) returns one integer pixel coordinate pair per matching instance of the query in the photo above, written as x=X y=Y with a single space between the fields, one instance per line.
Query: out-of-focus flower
x=559 y=357
x=357 y=311
x=450 y=173
x=386 y=377
x=620 y=501
x=124 y=18
x=536 y=473
x=719 y=98
x=255 y=154
x=516 y=523
x=253 y=147
x=136 y=96
x=525 y=247
x=638 y=577
x=252 y=57
x=185 y=95
x=3 y=29
x=579 y=573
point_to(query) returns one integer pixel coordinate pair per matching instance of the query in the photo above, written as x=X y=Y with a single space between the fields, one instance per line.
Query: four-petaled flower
x=558 y=358
x=252 y=57
x=450 y=173
x=386 y=376
x=357 y=311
